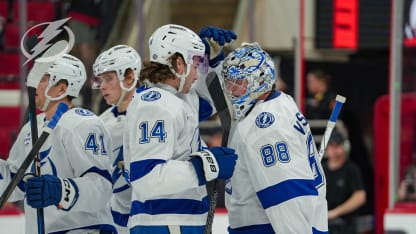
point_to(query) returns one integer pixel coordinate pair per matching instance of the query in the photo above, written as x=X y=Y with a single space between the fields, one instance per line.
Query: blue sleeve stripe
x=286 y=190
x=103 y=173
x=170 y=206
x=205 y=109
x=316 y=231
x=104 y=228
x=121 y=189
x=119 y=218
x=141 y=168
x=257 y=228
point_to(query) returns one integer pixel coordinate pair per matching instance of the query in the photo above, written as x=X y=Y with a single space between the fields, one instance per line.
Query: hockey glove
x=218 y=162
x=47 y=190
x=214 y=40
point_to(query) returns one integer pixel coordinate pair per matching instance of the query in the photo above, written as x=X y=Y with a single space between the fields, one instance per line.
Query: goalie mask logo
x=264 y=120
x=49 y=33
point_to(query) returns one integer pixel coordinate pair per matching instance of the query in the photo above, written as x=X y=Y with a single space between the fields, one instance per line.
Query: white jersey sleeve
x=20 y=149
x=277 y=177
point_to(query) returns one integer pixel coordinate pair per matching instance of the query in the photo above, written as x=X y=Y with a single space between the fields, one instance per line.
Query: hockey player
x=167 y=168
x=75 y=184
x=117 y=72
x=278 y=185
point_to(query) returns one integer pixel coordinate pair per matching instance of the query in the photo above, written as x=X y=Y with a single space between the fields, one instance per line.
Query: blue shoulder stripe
x=139 y=169
x=286 y=190
x=170 y=206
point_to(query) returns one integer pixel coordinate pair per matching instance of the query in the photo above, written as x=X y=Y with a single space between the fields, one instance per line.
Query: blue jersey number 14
x=157 y=131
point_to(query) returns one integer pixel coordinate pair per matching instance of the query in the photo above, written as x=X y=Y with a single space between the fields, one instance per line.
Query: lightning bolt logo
x=264 y=119
x=52 y=30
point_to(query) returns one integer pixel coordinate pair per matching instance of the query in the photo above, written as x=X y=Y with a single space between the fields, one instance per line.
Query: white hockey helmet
x=251 y=70
x=170 y=39
x=118 y=58
x=67 y=68
x=72 y=70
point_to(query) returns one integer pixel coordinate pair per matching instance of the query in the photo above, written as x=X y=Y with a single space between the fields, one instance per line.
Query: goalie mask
x=248 y=73
x=70 y=69
x=170 y=39
x=118 y=59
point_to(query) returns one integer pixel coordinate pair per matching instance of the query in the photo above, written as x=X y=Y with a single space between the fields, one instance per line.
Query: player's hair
x=157 y=72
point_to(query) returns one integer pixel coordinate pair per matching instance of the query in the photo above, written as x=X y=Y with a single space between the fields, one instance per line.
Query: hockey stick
x=35 y=75
x=220 y=103
x=31 y=114
x=339 y=101
x=62 y=108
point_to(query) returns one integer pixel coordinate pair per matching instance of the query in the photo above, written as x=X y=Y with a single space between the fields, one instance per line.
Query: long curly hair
x=156 y=72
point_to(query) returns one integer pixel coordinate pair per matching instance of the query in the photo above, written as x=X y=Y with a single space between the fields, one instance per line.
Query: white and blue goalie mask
x=248 y=72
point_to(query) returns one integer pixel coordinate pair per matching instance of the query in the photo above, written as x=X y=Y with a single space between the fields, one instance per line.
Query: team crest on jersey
x=151 y=96
x=83 y=112
x=264 y=120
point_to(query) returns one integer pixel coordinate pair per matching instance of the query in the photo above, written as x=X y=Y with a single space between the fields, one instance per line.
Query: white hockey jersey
x=278 y=185
x=161 y=133
x=78 y=148
x=121 y=197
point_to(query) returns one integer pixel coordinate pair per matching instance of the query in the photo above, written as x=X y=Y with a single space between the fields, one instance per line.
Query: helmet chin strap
x=182 y=77
x=124 y=91
x=49 y=99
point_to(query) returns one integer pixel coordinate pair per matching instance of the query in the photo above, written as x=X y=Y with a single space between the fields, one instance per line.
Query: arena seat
x=9 y=127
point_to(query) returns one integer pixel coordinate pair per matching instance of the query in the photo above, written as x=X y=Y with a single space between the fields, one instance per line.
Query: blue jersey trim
x=141 y=168
x=273 y=94
x=103 y=173
x=165 y=230
x=205 y=109
x=121 y=189
x=170 y=206
x=141 y=89
x=259 y=228
x=116 y=113
x=286 y=190
x=119 y=218
x=316 y=231
x=104 y=228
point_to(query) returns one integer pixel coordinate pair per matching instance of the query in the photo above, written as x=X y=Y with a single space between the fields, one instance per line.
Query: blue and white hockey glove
x=215 y=39
x=218 y=162
x=47 y=190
